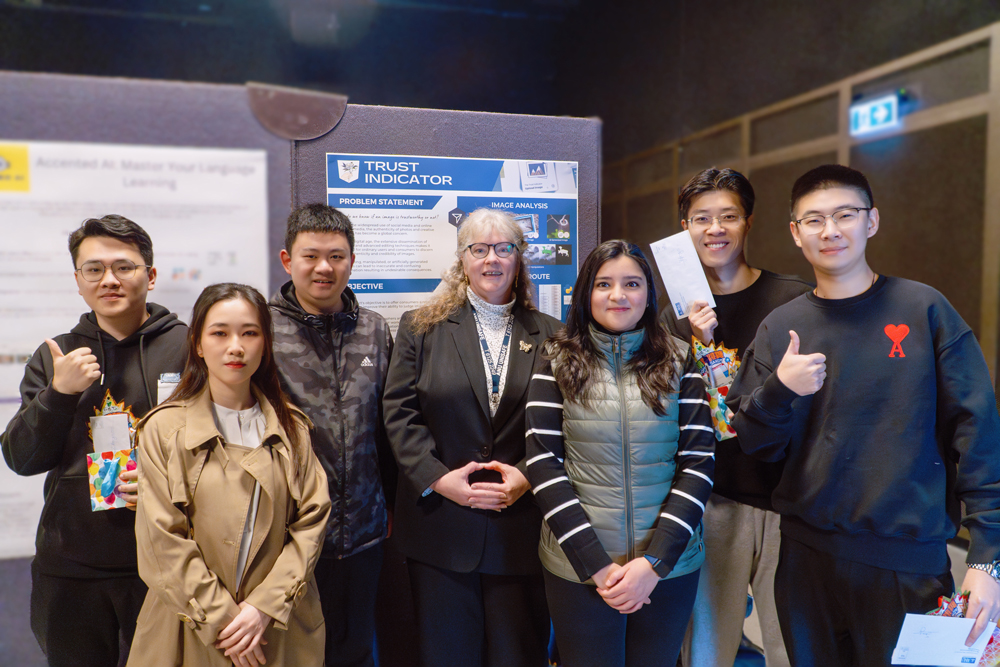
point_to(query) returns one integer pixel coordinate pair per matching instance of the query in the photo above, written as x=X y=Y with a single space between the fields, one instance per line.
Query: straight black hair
x=829 y=176
x=317 y=218
x=711 y=180
x=115 y=227
x=194 y=378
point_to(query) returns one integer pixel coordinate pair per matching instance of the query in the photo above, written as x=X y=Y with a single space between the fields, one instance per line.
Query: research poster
x=205 y=209
x=406 y=211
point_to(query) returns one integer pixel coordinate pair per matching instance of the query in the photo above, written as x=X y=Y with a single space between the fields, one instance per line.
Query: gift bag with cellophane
x=718 y=365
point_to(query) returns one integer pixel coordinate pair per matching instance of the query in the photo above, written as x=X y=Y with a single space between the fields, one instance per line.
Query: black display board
x=297 y=129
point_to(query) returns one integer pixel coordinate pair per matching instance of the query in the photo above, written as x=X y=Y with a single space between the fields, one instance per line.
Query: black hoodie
x=51 y=433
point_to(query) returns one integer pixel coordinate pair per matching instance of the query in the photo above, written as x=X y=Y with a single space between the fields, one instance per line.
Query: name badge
x=166 y=385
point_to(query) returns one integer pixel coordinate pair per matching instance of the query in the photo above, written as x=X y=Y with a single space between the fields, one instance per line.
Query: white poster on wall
x=205 y=209
x=406 y=210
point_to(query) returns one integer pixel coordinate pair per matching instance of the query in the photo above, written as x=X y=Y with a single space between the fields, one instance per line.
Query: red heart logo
x=896 y=333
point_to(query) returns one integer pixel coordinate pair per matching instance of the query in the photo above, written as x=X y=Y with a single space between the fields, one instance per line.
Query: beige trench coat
x=194 y=493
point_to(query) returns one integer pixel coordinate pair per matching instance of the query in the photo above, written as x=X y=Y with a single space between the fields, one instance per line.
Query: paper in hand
x=110 y=432
x=937 y=640
x=682 y=273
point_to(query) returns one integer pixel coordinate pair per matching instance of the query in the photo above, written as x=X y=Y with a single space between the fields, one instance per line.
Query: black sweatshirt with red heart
x=904 y=427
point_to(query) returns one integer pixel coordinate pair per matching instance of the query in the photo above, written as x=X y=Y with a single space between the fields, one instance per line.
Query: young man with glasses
x=874 y=393
x=332 y=357
x=121 y=358
x=741 y=528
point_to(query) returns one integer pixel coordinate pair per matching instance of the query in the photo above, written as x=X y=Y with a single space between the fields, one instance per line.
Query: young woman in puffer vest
x=620 y=451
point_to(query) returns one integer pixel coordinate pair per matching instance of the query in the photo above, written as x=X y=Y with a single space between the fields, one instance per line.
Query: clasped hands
x=627 y=587
x=455 y=486
x=242 y=639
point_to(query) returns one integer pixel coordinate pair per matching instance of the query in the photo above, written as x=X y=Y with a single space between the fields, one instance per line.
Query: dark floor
x=17 y=644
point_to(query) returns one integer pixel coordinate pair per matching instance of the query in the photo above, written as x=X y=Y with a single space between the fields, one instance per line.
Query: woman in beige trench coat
x=202 y=498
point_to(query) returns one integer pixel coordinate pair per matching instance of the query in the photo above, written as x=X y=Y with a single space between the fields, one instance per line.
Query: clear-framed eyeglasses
x=845 y=218
x=93 y=271
x=705 y=221
x=481 y=250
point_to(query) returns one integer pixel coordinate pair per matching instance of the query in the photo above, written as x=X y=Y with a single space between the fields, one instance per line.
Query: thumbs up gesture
x=802 y=373
x=73 y=372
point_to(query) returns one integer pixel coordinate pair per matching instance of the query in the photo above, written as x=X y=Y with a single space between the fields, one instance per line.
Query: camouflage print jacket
x=333 y=367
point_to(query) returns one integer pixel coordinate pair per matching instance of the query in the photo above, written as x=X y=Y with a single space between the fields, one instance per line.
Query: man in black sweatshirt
x=875 y=393
x=124 y=356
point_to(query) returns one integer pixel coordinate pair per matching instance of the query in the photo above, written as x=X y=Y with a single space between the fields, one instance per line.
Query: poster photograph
x=204 y=208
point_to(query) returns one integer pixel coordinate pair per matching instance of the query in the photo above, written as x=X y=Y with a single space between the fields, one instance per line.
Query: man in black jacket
x=333 y=356
x=875 y=394
x=122 y=357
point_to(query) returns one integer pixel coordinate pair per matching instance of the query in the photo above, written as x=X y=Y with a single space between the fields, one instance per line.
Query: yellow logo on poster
x=14 y=172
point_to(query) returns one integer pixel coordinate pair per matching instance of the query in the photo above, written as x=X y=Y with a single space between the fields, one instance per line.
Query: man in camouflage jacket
x=332 y=356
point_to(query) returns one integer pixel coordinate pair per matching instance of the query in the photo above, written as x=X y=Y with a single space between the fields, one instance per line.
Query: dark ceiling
x=653 y=70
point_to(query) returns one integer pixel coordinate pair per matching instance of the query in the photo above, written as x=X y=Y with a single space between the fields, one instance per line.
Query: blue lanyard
x=496 y=370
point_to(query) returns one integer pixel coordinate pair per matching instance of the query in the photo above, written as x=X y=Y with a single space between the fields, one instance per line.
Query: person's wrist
x=992 y=569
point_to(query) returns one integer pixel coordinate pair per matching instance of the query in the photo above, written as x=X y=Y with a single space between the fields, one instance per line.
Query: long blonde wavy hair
x=452 y=295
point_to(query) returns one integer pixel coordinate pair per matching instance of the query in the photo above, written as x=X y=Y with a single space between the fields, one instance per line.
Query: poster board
x=293 y=131
x=444 y=139
x=95 y=146
x=406 y=210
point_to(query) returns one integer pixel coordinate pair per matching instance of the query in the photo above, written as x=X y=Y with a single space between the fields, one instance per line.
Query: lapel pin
x=525 y=347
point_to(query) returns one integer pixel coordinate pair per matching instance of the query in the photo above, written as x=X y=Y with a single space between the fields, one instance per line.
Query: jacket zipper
x=342 y=476
x=626 y=458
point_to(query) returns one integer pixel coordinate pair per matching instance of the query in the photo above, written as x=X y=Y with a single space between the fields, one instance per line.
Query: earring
x=515 y=279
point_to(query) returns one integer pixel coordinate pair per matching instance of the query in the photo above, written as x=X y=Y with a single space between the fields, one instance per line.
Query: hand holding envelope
x=682 y=273
x=939 y=637
x=937 y=640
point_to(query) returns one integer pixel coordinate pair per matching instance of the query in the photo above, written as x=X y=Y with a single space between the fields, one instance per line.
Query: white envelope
x=938 y=640
x=682 y=273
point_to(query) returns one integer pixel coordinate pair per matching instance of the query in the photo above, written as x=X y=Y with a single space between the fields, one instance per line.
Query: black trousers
x=85 y=621
x=589 y=633
x=479 y=620
x=837 y=612
x=347 y=590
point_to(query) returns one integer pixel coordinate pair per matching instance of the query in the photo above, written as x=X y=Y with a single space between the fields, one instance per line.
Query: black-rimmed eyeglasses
x=845 y=218
x=481 y=250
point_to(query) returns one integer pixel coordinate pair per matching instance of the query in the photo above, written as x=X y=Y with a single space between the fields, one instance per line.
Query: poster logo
x=14 y=169
x=456 y=217
x=348 y=170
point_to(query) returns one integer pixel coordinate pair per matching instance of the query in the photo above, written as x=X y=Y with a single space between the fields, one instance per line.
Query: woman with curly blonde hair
x=454 y=410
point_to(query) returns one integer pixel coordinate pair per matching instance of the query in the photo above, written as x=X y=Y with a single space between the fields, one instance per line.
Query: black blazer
x=438 y=419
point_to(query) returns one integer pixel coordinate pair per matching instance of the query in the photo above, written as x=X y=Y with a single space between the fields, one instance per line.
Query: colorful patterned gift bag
x=104 y=469
x=718 y=365
x=112 y=431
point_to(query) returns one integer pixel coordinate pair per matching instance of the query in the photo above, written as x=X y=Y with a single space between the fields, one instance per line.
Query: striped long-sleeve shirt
x=682 y=508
